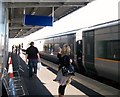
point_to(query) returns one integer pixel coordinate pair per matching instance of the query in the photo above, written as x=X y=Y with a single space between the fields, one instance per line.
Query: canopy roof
x=56 y=8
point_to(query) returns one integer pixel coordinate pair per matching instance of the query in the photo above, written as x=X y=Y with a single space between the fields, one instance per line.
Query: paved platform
x=42 y=84
x=45 y=77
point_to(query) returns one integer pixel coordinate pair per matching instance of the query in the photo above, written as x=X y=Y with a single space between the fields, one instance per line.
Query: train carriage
x=101 y=50
x=96 y=49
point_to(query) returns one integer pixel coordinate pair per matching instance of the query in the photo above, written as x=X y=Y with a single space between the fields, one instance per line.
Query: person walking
x=32 y=57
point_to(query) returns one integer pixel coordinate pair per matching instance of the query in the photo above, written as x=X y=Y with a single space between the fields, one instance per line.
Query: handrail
x=12 y=85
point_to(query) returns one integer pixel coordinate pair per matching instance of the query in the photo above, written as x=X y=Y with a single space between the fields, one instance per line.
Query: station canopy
x=17 y=9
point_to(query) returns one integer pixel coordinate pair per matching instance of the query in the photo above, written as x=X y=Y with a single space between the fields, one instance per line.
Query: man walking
x=32 y=54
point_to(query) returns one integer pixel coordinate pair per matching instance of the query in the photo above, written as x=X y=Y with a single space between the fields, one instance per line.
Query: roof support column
x=53 y=13
x=6 y=38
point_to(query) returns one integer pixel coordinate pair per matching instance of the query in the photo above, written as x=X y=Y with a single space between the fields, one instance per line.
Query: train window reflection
x=109 y=49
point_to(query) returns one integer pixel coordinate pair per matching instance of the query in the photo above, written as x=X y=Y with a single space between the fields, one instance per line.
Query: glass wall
x=3 y=40
x=3 y=36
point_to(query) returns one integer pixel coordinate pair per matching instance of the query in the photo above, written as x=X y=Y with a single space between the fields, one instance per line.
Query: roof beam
x=29 y=5
x=19 y=20
x=13 y=1
x=24 y=27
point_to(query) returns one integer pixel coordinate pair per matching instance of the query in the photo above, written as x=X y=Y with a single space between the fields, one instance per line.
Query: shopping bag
x=39 y=65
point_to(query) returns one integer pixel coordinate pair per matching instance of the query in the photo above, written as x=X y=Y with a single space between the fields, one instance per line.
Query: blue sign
x=36 y=20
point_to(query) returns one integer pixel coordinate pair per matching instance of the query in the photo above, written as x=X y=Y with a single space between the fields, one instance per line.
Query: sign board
x=36 y=20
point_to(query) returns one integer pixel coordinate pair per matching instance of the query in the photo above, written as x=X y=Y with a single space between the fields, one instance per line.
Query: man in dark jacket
x=32 y=55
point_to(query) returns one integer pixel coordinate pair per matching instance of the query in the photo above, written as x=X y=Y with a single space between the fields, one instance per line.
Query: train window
x=51 y=40
x=88 y=49
x=46 y=47
x=56 y=40
x=64 y=39
x=115 y=28
x=109 y=49
x=56 y=46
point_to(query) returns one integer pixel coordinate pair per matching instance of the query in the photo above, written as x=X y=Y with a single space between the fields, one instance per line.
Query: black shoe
x=55 y=80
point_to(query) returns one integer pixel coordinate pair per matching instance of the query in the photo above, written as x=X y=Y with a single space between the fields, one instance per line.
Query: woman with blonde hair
x=65 y=61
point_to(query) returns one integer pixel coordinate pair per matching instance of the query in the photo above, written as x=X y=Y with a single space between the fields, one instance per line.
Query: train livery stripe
x=107 y=60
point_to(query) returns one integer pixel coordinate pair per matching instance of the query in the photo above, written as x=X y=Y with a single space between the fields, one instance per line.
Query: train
x=101 y=50
x=95 y=49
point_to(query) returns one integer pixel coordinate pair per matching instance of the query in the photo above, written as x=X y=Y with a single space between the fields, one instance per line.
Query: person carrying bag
x=32 y=57
x=64 y=76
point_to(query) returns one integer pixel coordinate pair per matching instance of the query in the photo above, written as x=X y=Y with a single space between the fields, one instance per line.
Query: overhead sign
x=36 y=20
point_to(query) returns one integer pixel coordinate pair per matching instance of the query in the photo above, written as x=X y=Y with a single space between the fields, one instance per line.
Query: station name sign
x=37 y=20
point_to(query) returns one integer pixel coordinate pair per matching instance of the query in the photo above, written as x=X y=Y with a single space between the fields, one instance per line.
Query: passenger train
x=96 y=49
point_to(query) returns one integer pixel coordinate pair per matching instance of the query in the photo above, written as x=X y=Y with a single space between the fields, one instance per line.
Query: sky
x=96 y=12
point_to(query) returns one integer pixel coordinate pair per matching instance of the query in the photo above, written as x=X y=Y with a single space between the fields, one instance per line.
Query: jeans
x=32 y=63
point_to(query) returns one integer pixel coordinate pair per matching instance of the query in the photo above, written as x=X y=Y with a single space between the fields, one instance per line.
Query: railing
x=13 y=85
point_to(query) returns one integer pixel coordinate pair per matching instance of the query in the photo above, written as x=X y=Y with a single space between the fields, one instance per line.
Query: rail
x=13 y=85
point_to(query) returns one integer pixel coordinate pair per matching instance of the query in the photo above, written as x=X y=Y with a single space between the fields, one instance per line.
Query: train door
x=71 y=39
x=72 y=44
x=88 y=51
x=79 y=56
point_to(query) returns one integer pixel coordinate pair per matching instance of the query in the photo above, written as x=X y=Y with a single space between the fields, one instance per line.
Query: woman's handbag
x=68 y=71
